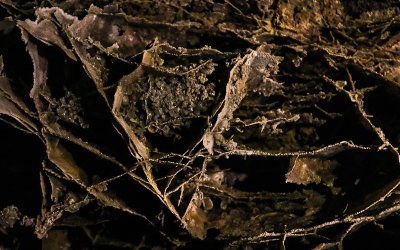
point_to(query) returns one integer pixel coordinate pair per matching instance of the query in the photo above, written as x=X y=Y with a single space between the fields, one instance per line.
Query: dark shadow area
x=355 y=8
x=384 y=235
x=20 y=161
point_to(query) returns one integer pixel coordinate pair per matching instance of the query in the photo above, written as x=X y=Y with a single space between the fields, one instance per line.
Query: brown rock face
x=186 y=123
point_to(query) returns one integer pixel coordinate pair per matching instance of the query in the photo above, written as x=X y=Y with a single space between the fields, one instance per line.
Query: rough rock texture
x=186 y=123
